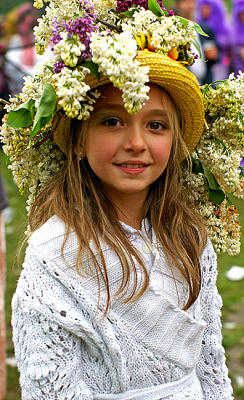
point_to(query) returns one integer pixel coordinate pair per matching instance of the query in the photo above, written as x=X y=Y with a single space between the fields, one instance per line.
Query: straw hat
x=176 y=79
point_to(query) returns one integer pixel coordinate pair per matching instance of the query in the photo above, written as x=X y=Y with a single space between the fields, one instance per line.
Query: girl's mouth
x=132 y=165
x=132 y=168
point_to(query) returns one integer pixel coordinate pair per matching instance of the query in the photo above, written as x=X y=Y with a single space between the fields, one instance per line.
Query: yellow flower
x=173 y=53
x=141 y=41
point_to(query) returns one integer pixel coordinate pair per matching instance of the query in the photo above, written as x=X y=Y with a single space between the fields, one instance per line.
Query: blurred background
x=223 y=53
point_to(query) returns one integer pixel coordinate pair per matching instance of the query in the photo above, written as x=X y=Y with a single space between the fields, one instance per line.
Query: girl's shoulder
x=53 y=228
x=50 y=238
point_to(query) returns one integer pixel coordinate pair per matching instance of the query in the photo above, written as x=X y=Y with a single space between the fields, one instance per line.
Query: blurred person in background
x=212 y=13
x=209 y=47
x=9 y=24
x=4 y=80
x=21 y=55
x=238 y=36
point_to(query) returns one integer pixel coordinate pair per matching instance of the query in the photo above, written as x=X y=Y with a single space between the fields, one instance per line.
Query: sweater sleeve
x=211 y=368
x=48 y=357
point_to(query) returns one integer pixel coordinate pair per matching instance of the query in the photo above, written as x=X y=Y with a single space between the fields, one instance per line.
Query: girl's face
x=129 y=152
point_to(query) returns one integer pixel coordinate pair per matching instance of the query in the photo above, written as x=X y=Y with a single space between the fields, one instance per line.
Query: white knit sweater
x=65 y=349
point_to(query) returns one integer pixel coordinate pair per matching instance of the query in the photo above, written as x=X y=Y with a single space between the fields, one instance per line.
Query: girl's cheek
x=162 y=150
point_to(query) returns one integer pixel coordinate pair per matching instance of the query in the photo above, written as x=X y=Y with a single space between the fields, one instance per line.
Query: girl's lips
x=132 y=168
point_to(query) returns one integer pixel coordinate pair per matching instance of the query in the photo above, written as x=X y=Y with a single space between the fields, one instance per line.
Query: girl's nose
x=135 y=139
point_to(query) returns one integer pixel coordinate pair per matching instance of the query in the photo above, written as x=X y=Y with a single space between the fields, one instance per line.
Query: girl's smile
x=129 y=152
x=132 y=167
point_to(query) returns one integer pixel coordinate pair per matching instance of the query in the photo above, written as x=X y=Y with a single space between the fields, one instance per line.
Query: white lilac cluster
x=57 y=10
x=223 y=162
x=33 y=85
x=42 y=34
x=221 y=150
x=222 y=220
x=69 y=49
x=31 y=166
x=72 y=93
x=222 y=144
x=165 y=33
x=103 y=9
x=172 y=32
x=121 y=67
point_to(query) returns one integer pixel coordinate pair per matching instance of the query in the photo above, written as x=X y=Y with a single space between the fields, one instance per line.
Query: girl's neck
x=129 y=208
x=129 y=218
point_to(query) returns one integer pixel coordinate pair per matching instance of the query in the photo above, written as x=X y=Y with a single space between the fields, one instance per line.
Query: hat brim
x=182 y=86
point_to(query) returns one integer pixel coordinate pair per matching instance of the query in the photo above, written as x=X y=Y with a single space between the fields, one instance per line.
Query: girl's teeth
x=132 y=165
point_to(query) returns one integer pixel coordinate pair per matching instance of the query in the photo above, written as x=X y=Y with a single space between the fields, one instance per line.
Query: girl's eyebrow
x=109 y=107
x=119 y=107
x=158 y=112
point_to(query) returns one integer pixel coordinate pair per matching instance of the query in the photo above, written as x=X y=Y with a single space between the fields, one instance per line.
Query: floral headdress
x=104 y=38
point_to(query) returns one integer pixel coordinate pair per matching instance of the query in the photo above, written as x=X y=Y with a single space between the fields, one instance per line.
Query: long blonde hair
x=77 y=197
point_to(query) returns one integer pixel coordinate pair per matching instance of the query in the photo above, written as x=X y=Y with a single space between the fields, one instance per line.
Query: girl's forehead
x=113 y=96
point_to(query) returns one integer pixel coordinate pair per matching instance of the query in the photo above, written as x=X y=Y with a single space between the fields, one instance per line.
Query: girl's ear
x=79 y=143
x=79 y=152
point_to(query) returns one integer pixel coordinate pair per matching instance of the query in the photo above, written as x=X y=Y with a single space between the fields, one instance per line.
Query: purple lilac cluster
x=58 y=66
x=82 y=26
x=125 y=5
x=55 y=38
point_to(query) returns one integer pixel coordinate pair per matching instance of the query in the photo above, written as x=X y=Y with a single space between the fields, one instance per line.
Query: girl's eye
x=157 y=125
x=112 y=122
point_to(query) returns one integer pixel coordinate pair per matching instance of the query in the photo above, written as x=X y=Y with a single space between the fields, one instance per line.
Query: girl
x=117 y=298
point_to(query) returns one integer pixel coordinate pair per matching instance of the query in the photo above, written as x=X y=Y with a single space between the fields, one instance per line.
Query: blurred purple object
x=238 y=25
x=238 y=36
x=216 y=20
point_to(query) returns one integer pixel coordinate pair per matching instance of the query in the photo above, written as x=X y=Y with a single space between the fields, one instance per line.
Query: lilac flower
x=88 y=8
x=58 y=66
x=125 y=5
x=82 y=26
x=56 y=37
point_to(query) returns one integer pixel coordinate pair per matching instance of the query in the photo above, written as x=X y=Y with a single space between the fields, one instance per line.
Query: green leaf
x=216 y=194
x=197 y=27
x=49 y=67
x=46 y=109
x=184 y=21
x=198 y=47
x=22 y=116
x=212 y=182
x=155 y=8
x=92 y=67
x=128 y=13
x=199 y=30
x=197 y=167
